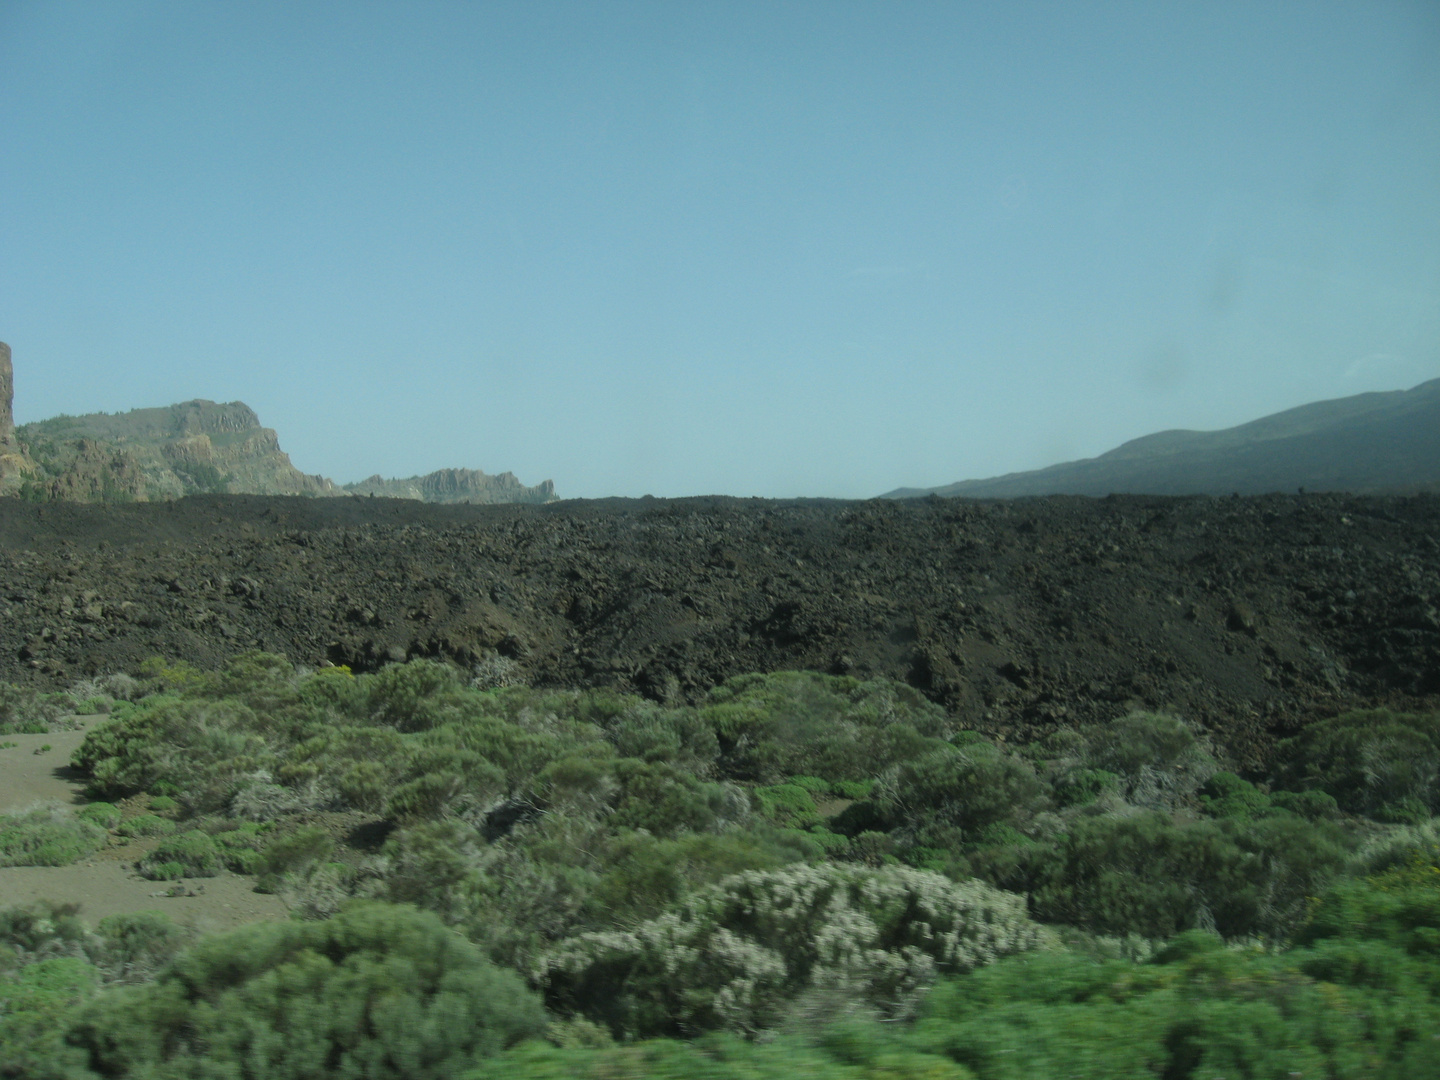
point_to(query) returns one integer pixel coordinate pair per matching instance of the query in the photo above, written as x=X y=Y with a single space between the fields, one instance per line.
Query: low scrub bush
x=105 y=815
x=739 y=954
x=1200 y=1010
x=1148 y=874
x=1385 y=765
x=240 y=843
x=1160 y=760
x=971 y=786
x=296 y=851
x=1226 y=795
x=47 y=836
x=801 y=723
x=144 y=825
x=789 y=805
x=666 y=801
x=203 y=750
x=25 y=711
x=188 y=854
x=378 y=991
x=851 y=1051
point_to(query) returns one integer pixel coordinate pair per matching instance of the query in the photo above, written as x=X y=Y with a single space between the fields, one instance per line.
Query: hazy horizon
x=749 y=249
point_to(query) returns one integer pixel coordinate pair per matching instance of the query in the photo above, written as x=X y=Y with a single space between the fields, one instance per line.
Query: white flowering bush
x=737 y=954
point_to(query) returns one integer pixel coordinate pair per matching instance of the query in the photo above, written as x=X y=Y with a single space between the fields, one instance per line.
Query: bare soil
x=1252 y=616
x=106 y=883
x=30 y=774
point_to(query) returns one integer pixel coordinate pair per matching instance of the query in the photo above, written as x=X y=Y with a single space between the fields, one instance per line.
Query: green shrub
x=39 y=1001
x=240 y=843
x=135 y=947
x=163 y=804
x=105 y=815
x=800 y=723
x=1151 y=875
x=789 y=805
x=1311 y=805
x=969 y=786
x=378 y=991
x=859 y=1052
x=188 y=854
x=1203 y=1011
x=34 y=931
x=202 y=751
x=738 y=954
x=644 y=874
x=1226 y=795
x=296 y=851
x=427 y=797
x=142 y=825
x=580 y=784
x=435 y=865
x=47 y=836
x=1160 y=759
x=24 y=711
x=1081 y=787
x=852 y=789
x=412 y=696
x=678 y=736
x=161 y=676
x=1383 y=764
x=666 y=801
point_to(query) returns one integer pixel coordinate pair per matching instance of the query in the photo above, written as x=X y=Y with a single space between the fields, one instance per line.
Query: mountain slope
x=1369 y=443
x=196 y=446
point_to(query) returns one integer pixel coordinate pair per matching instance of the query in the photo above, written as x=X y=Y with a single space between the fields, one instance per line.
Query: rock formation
x=194 y=447
x=7 y=395
x=457 y=486
x=13 y=460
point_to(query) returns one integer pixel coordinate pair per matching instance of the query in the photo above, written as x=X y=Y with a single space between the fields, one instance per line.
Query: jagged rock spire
x=7 y=396
x=13 y=462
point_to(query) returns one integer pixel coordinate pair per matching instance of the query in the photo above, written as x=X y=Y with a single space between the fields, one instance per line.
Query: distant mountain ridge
x=195 y=447
x=456 y=486
x=1365 y=444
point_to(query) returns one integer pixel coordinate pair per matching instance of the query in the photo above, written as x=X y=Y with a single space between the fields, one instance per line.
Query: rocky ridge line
x=195 y=447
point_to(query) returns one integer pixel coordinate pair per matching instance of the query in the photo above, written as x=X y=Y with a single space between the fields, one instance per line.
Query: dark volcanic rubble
x=1249 y=615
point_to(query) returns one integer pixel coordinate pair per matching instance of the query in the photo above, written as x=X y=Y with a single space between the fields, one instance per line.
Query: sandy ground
x=29 y=776
x=106 y=883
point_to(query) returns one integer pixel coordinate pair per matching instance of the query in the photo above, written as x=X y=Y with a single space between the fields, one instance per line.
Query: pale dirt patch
x=104 y=887
x=28 y=777
x=106 y=883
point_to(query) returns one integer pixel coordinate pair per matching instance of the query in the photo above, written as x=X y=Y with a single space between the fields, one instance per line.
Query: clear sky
x=777 y=248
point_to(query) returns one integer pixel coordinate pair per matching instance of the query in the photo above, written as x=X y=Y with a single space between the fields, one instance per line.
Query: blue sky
x=774 y=249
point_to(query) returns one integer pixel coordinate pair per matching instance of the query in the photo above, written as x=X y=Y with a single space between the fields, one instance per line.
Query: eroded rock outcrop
x=457 y=486
x=193 y=447
x=14 y=462
x=196 y=447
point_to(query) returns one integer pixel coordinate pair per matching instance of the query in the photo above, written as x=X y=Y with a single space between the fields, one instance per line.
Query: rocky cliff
x=14 y=464
x=196 y=446
x=457 y=486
